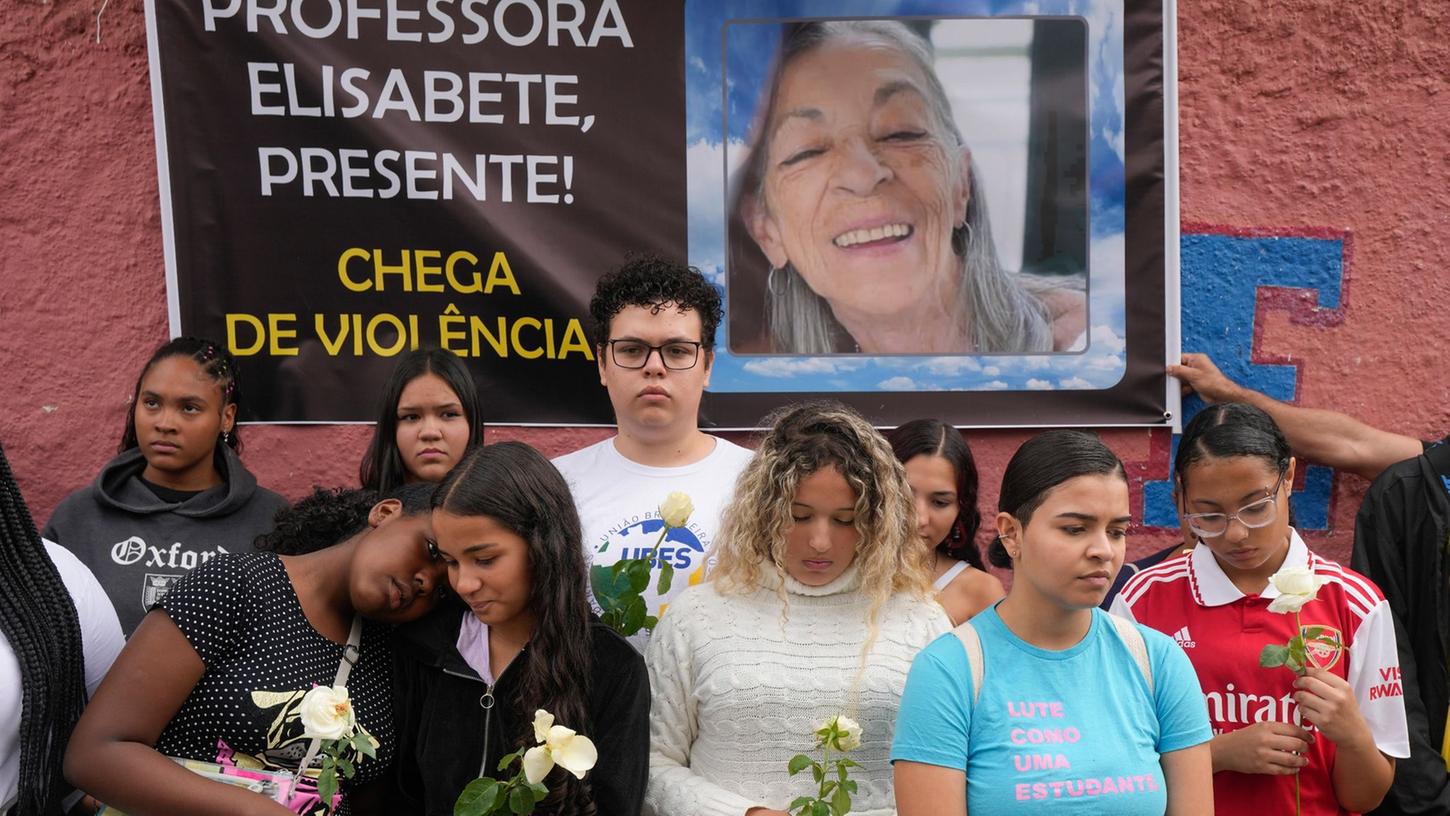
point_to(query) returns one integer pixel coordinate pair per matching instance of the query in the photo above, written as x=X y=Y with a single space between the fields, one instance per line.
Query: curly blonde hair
x=890 y=556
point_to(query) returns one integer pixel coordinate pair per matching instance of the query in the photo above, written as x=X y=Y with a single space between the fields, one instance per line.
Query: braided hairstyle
x=218 y=364
x=38 y=619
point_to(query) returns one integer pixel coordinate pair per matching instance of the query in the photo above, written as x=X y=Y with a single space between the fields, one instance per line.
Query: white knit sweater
x=739 y=688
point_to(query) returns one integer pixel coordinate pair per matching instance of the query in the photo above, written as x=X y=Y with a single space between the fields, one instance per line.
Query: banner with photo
x=933 y=208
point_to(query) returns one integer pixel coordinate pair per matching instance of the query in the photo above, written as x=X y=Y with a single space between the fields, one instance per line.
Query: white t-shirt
x=618 y=501
x=101 y=641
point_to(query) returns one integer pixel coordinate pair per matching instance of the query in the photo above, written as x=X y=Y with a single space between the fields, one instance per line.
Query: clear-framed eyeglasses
x=1253 y=515
x=677 y=355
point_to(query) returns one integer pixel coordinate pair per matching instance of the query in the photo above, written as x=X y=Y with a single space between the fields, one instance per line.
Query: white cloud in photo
x=995 y=385
x=787 y=367
x=1038 y=385
x=1074 y=382
x=1105 y=340
x=705 y=179
x=991 y=371
x=950 y=366
x=898 y=384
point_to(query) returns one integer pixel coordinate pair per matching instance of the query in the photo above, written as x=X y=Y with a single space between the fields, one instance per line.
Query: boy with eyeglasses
x=654 y=327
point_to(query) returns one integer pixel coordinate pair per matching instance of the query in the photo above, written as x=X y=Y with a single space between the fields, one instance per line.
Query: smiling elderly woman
x=864 y=200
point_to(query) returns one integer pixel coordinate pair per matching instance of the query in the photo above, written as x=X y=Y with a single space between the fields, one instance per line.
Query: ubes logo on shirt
x=679 y=549
x=133 y=549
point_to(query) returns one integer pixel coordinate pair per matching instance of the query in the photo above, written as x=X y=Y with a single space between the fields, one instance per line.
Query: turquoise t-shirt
x=1075 y=730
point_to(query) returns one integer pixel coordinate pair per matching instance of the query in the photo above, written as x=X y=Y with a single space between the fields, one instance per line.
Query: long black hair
x=1041 y=464
x=516 y=486
x=932 y=437
x=38 y=619
x=326 y=517
x=382 y=466
x=1227 y=430
x=215 y=361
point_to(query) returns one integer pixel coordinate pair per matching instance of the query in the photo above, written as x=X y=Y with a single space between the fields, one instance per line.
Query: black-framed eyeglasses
x=677 y=355
x=1253 y=515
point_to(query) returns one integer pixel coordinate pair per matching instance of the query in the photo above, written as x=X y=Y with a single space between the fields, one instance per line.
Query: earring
x=956 y=533
x=776 y=286
x=961 y=238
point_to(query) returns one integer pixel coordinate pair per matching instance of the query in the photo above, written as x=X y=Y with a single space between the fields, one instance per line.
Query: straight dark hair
x=1227 y=430
x=1041 y=464
x=932 y=437
x=516 y=486
x=215 y=361
x=382 y=466
x=327 y=517
x=38 y=619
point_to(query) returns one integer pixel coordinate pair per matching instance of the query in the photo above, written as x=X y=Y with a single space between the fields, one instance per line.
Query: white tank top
x=949 y=575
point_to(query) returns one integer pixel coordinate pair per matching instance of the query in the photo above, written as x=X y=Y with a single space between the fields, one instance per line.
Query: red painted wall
x=1292 y=117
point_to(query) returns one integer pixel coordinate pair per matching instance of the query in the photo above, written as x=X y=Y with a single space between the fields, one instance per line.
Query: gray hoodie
x=138 y=545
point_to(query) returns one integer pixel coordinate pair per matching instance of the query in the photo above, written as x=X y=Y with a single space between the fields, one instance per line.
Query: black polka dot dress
x=242 y=617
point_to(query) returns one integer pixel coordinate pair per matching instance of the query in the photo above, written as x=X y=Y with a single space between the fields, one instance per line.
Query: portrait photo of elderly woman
x=859 y=218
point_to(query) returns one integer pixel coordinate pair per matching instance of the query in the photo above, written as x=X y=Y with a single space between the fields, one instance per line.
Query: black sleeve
x=1381 y=533
x=405 y=793
x=620 y=711
x=210 y=605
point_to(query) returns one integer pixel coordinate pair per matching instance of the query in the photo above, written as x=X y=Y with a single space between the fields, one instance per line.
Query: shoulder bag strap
x=975 y=660
x=1133 y=639
x=350 y=654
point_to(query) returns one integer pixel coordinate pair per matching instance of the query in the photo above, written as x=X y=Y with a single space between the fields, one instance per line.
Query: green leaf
x=667 y=576
x=650 y=622
x=634 y=616
x=840 y=802
x=818 y=772
x=508 y=760
x=363 y=745
x=540 y=790
x=820 y=809
x=1273 y=656
x=1312 y=632
x=639 y=573
x=800 y=802
x=344 y=765
x=327 y=785
x=849 y=785
x=478 y=798
x=841 y=771
x=847 y=763
x=798 y=763
x=521 y=800
x=608 y=585
x=827 y=788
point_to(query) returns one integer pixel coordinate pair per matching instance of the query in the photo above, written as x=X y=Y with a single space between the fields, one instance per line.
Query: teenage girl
x=523 y=638
x=943 y=479
x=428 y=421
x=1042 y=703
x=58 y=636
x=218 y=670
x=177 y=495
x=1337 y=726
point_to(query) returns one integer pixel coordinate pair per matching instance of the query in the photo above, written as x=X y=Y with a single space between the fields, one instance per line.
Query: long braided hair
x=38 y=619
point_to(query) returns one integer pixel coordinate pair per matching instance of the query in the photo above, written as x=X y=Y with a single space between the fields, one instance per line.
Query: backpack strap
x=972 y=643
x=1133 y=639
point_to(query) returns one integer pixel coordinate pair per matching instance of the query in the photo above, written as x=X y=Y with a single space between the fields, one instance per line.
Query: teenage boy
x=654 y=332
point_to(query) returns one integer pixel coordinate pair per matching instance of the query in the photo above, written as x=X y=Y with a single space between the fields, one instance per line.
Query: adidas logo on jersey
x=1185 y=641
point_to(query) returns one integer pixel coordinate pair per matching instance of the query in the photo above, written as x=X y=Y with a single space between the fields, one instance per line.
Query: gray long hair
x=1005 y=316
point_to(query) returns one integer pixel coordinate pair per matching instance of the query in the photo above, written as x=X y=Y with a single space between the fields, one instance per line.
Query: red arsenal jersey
x=1191 y=599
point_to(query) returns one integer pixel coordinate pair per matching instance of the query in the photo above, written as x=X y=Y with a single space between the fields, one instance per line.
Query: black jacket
x=1400 y=540
x=441 y=724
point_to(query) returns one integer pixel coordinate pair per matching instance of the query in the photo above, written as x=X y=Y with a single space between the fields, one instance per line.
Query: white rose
x=850 y=733
x=543 y=721
x=326 y=713
x=1297 y=586
x=840 y=732
x=572 y=752
x=675 y=510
